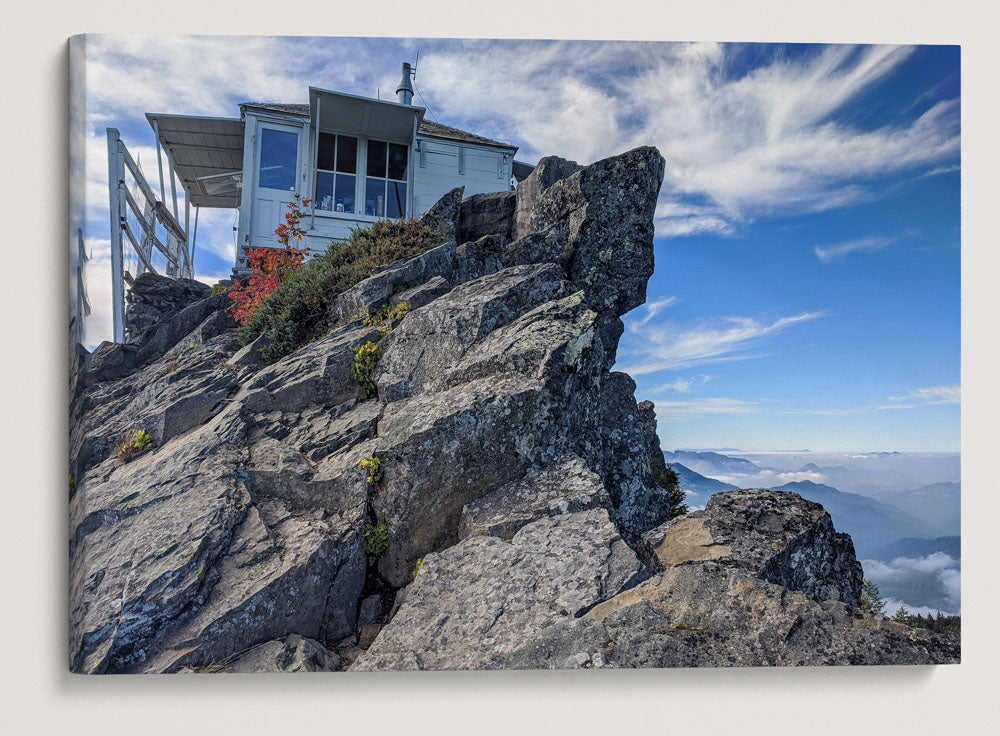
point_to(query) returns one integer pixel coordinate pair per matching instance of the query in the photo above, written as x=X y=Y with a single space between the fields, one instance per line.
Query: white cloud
x=737 y=145
x=927 y=395
x=767 y=478
x=822 y=412
x=930 y=395
x=679 y=410
x=829 y=253
x=670 y=348
x=938 y=573
x=98 y=277
x=892 y=605
x=681 y=385
x=932 y=563
x=939 y=394
x=653 y=308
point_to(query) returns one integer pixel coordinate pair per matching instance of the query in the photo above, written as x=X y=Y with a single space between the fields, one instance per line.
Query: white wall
x=436 y=170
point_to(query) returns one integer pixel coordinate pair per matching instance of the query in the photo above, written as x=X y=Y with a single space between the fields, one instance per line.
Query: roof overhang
x=356 y=115
x=207 y=153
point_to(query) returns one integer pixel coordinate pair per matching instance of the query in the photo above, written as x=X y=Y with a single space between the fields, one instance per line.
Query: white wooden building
x=358 y=159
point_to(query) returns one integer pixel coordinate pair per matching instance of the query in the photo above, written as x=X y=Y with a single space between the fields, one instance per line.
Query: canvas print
x=424 y=354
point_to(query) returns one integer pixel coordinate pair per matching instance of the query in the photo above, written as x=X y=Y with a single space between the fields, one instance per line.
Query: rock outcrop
x=153 y=297
x=515 y=520
x=757 y=578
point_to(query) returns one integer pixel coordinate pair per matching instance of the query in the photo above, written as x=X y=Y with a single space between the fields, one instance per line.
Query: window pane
x=375 y=196
x=376 y=158
x=347 y=154
x=324 y=159
x=397 y=161
x=278 y=152
x=324 y=191
x=396 y=206
x=343 y=198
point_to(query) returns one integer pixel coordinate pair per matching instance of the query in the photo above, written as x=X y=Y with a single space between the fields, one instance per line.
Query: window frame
x=361 y=177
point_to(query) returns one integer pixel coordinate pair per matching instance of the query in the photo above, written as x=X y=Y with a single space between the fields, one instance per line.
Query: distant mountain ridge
x=698 y=485
x=869 y=522
x=911 y=547
x=938 y=504
x=709 y=463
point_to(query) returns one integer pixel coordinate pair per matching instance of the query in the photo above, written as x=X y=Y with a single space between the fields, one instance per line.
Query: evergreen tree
x=871 y=599
x=901 y=616
x=666 y=478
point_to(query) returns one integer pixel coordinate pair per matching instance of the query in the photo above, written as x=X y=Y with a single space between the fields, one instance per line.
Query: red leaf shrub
x=270 y=266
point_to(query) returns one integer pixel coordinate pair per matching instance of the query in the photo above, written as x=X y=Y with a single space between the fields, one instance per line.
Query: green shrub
x=219 y=289
x=362 y=365
x=376 y=540
x=298 y=311
x=387 y=313
x=129 y=448
x=373 y=465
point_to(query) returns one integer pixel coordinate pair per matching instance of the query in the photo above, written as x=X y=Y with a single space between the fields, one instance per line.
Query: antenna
x=415 y=64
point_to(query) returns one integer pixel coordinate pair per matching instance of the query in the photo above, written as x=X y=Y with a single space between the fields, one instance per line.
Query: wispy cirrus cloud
x=932 y=395
x=668 y=347
x=828 y=253
x=927 y=396
x=681 y=385
x=739 y=143
x=653 y=308
x=673 y=411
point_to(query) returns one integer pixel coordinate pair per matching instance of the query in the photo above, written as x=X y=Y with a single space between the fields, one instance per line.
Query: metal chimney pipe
x=404 y=90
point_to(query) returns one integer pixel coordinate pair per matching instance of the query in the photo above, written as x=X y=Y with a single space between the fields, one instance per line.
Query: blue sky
x=807 y=290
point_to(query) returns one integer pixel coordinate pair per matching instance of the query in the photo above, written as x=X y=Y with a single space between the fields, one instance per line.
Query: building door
x=278 y=158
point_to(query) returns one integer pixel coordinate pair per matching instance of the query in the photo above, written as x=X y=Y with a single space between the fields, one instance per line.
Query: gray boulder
x=758 y=578
x=567 y=487
x=166 y=398
x=549 y=170
x=779 y=536
x=152 y=297
x=473 y=603
x=170 y=332
x=174 y=564
x=110 y=361
x=488 y=214
x=607 y=240
x=291 y=654
x=444 y=216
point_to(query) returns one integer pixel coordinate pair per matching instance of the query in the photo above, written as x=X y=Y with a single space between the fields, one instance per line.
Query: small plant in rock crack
x=373 y=465
x=362 y=365
x=129 y=448
x=387 y=313
x=376 y=541
x=416 y=570
x=400 y=288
